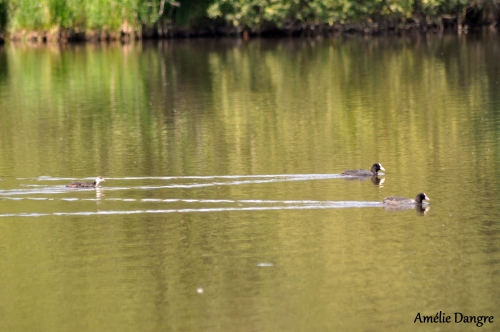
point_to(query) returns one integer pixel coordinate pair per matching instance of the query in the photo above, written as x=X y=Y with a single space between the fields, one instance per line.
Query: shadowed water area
x=224 y=207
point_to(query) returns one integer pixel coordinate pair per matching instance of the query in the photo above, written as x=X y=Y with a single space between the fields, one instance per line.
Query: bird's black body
x=397 y=200
x=361 y=172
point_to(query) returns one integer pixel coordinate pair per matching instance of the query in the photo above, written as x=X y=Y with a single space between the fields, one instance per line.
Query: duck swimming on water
x=398 y=201
x=361 y=172
x=94 y=184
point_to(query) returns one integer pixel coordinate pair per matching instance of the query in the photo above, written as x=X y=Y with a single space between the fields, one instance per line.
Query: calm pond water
x=224 y=207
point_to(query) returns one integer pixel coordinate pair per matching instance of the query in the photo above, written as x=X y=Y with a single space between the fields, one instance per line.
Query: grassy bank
x=66 y=20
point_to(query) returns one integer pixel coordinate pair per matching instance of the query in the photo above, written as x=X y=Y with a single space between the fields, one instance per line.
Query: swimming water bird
x=361 y=172
x=94 y=184
x=397 y=200
x=419 y=208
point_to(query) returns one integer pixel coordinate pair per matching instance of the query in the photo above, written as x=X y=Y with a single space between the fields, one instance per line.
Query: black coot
x=397 y=200
x=361 y=172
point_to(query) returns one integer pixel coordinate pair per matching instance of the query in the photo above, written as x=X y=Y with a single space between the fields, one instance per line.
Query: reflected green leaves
x=134 y=254
x=230 y=106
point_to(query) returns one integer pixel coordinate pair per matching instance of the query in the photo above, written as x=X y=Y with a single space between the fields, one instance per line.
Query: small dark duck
x=361 y=172
x=397 y=200
x=94 y=184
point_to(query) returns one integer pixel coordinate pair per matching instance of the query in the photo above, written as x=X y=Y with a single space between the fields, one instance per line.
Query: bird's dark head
x=377 y=167
x=420 y=197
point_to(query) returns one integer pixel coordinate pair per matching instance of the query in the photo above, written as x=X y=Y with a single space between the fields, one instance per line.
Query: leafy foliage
x=95 y=15
x=117 y=15
x=4 y=14
x=253 y=13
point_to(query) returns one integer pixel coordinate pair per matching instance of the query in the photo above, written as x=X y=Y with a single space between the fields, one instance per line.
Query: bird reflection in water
x=420 y=209
x=375 y=179
x=99 y=193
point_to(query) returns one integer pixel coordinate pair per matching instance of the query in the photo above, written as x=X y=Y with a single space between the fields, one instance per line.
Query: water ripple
x=205 y=177
x=257 y=205
x=191 y=182
x=143 y=205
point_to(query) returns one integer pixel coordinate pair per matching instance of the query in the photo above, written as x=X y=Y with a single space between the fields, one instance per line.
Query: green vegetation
x=55 y=19
x=372 y=14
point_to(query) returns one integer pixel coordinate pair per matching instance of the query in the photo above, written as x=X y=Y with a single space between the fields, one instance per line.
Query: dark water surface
x=224 y=208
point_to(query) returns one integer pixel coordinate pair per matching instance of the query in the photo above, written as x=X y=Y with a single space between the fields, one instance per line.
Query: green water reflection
x=164 y=245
